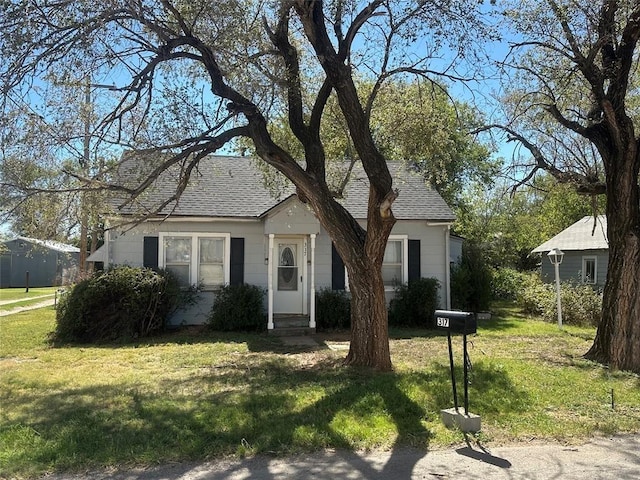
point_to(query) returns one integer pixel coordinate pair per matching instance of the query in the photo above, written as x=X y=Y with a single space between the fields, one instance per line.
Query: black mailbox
x=456 y=322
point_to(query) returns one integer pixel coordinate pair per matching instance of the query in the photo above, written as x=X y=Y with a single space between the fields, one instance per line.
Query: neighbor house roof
x=50 y=244
x=225 y=186
x=588 y=233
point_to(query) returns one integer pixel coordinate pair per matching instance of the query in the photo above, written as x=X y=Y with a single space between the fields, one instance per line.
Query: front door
x=289 y=276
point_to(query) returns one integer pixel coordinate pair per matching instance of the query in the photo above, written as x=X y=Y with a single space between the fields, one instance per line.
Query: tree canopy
x=191 y=77
x=573 y=79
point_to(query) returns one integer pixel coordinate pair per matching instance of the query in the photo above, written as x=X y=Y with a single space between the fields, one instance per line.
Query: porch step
x=291 y=325
x=292 y=332
x=290 y=321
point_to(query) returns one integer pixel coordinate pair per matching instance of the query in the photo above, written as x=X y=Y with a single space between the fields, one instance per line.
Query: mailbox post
x=464 y=323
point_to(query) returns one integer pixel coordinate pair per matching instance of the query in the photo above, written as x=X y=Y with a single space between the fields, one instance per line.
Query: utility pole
x=84 y=164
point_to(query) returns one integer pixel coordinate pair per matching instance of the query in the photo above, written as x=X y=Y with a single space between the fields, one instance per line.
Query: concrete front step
x=290 y=321
x=292 y=331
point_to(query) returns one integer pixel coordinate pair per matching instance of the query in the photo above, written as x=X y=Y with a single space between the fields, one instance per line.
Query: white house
x=586 y=252
x=228 y=228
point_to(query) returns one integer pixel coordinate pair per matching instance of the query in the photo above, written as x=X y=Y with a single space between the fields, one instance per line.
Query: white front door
x=288 y=277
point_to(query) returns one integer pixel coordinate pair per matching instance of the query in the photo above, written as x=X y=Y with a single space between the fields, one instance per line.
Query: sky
x=475 y=93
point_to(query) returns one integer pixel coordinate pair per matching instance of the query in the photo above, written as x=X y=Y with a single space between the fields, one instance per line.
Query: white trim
x=301 y=241
x=405 y=263
x=312 y=299
x=594 y=280
x=405 y=259
x=194 y=260
x=447 y=266
x=305 y=272
x=118 y=222
x=107 y=245
x=203 y=219
x=270 y=283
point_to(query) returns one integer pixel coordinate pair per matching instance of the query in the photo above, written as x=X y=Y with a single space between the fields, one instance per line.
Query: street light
x=555 y=257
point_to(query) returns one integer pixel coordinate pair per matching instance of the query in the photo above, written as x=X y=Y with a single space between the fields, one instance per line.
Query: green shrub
x=333 y=310
x=581 y=304
x=507 y=283
x=414 y=303
x=121 y=303
x=471 y=280
x=238 y=308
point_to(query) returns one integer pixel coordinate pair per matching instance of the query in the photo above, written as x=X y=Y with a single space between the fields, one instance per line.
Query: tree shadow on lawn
x=240 y=410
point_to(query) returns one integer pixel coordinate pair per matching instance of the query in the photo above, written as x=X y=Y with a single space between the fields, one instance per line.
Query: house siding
x=433 y=262
x=128 y=248
x=46 y=267
x=291 y=218
x=571 y=266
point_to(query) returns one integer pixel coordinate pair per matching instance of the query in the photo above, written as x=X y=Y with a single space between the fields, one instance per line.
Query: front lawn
x=7 y=294
x=195 y=395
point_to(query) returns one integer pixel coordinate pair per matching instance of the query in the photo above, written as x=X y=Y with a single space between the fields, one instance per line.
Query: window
x=211 y=262
x=287 y=268
x=392 y=263
x=196 y=259
x=177 y=258
x=589 y=270
x=395 y=267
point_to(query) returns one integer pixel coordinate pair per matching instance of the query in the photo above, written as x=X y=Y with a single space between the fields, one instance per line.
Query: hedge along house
x=229 y=228
x=586 y=252
x=48 y=263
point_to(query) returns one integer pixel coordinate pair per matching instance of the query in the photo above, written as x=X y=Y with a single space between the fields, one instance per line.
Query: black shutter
x=337 y=270
x=414 y=260
x=150 y=253
x=237 y=262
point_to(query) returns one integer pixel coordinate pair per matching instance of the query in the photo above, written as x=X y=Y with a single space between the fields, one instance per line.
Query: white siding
x=127 y=248
x=291 y=218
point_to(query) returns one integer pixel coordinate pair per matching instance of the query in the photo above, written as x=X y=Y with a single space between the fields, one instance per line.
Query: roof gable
x=49 y=244
x=580 y=236
x=226 y=186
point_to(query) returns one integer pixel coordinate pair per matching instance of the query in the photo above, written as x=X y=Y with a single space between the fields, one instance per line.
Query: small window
x=211 y=262
x=287 y=268
x=392 y=264
x=589 y=270
x=395 y=267
x=177 y=258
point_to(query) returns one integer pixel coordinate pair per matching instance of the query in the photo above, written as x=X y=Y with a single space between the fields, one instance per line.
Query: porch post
x=447 y=265
x=270 y=283
x=312 y=299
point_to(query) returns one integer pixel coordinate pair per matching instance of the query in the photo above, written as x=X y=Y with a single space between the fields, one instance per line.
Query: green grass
x=21 y=294
x=20 y=298
x=193 y=395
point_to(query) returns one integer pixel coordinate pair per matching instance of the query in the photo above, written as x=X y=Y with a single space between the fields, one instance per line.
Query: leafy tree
x=47 y=149
x=415 y=122
x=194 y=76
x=576 y=64
x=508 y=224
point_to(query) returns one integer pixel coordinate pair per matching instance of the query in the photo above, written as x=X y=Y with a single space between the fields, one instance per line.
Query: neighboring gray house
x=49 y=263
x=586 y=252
x=228 y=228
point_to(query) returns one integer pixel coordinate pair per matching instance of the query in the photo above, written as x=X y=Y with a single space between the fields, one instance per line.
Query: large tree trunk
x=362 y=253
x=369 y=327
x=617 y=340
x=369 y=319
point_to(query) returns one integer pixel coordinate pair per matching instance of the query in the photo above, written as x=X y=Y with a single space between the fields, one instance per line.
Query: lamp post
x=555 y=257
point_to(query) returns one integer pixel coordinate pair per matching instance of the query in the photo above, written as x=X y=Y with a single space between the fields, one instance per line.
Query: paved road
x=603 y=458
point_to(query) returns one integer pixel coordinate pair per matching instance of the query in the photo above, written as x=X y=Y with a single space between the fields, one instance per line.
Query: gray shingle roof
x=579 y=236
x=226 y=186
x=416 y=201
